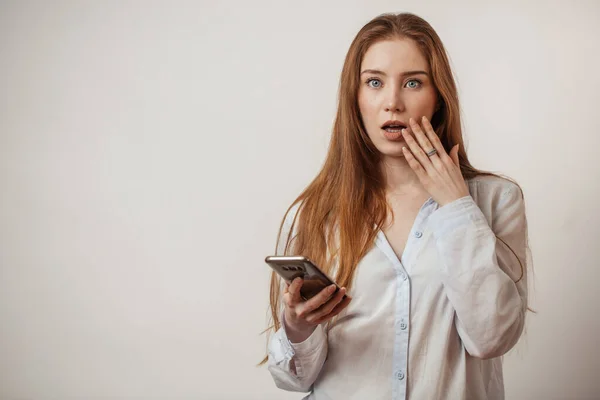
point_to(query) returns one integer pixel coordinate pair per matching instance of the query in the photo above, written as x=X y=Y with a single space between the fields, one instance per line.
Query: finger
x=415 y=165
x=423 y=139
x=454 y=155
x=426 y=143
x=320 y=299
x=327 y=307
x=415 y=147
x=338 y=309
x=294 y=290
x=435 y=140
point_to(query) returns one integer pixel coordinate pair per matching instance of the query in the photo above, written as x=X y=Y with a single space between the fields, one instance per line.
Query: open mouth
x=393 y=128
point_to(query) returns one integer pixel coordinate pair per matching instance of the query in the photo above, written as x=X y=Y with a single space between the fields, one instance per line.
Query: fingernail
x=424 y=118
x=410 y=120
x=331 y=288
x=404 y=131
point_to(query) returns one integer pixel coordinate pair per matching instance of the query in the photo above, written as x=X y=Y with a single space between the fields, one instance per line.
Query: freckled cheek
x=420 y=105
x=418 y=110
x=368 y=111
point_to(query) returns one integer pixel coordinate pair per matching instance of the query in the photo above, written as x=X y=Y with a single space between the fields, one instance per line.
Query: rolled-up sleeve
x=484 y=280
x=295 y=366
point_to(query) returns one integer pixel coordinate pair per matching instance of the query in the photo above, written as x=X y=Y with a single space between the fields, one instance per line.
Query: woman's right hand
x=303 y=316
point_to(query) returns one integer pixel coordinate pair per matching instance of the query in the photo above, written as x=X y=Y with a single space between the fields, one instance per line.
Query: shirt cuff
x=309 y=345
x=460 y=212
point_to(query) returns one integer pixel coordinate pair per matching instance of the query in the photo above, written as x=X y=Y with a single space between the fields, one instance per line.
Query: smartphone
x=291 y=267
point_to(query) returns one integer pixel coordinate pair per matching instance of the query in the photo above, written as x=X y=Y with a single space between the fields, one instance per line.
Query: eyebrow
x=378 y=72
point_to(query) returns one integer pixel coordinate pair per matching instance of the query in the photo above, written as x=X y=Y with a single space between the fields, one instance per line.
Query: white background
x=148 y=151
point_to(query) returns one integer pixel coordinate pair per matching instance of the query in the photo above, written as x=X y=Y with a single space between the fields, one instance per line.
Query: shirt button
x=403 y=325
x=403 y=276
x=418 y=234
x=400 y=375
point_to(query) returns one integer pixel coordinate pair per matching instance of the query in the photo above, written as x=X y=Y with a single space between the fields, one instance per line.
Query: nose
x=394 y=101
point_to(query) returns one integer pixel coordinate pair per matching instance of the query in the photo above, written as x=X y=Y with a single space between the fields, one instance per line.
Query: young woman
x=430 y=251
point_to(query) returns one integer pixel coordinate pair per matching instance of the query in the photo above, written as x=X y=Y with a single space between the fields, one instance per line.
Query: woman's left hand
x=439 y=174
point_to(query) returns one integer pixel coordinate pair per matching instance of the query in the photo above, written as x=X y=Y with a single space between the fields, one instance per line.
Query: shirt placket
x=401 y=332
x=402 y=314
x=401 y=318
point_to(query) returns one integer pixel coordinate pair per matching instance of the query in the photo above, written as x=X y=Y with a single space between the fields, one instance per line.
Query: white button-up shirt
x=432 y=324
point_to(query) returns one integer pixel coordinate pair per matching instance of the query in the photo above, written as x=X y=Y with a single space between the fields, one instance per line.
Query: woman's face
x=395 y=85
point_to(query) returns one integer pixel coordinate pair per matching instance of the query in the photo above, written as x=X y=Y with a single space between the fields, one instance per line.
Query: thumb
x=294 y=289
x=454 y=155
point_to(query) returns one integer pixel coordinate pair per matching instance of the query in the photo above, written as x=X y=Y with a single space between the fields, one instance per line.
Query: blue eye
x=372 y=80
x=413 y=80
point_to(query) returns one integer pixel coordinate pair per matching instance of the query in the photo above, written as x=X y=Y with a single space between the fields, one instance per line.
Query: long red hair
x=342 y=209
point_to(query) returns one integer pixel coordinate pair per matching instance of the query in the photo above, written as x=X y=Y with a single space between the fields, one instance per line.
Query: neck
x=400 y=178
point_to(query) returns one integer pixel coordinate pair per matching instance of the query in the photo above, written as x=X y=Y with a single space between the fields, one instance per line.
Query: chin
x=392 y=149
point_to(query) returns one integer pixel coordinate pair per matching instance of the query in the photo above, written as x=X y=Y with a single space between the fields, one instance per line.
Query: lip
x=394 y=122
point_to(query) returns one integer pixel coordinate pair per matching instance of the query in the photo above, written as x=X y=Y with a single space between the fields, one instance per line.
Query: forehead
x=394 y=56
